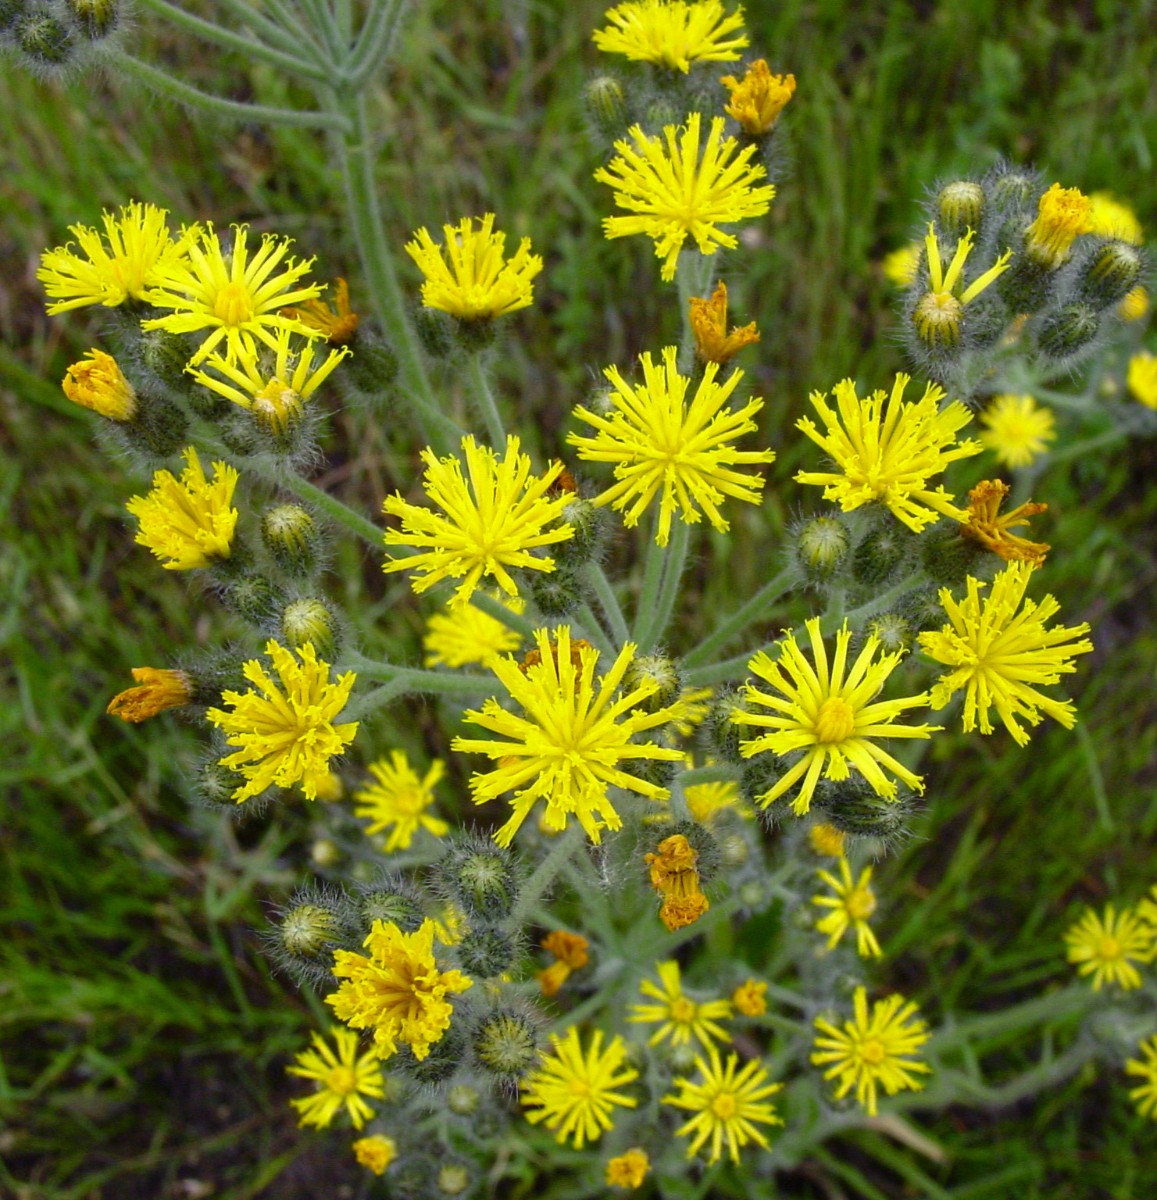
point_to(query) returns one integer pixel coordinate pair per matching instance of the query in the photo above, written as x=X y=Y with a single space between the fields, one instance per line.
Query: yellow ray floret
x=235 y=295
x=398 y=991
x=398 y=801
x=285 y=731
x=496 y=515
x=661 y=445
x=672 y=33
x=135 y=250
x=1145 y=1096
x=573 y=1092
x=566 y=746
x=1062 y=215
x=375 y=1152
x=676 y=191
x=469 y=277
x=1142 y=378
x=729 y=1104
x=887 y=450
x=188 y=521
x=157 y=689
x=678 y=1016
x=939 y=313
x=98 y=383
x=1106 y=947
x=342 y=1080
x=873 y=1051
x=275 y=381
x=1000 y=652
x=1017 y=429
x=758 y=98
x=830 y=714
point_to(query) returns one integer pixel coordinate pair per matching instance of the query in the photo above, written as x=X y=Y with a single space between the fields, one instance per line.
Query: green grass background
x=143 y=1037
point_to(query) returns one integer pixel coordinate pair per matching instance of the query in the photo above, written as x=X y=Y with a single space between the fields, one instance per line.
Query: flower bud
x=1110 y=274
x=1010 y=187
x=167 y=355
x=939 y=320
x=10 y=12
x=1069 y=330
x=325 y=853
x=960 y=207
x=373 y=366
x=462 y=1099
x=279 y=411
x=435 y=330
x=44 y=39
x=557 y=593
x=753 y=894
x=453 y=1179
x=723 y=735
x=486 y=951
x=659 y=670
x=97 y=383
x=310 y=620
x=505 y=1044
x=892 y=630
x=388 y=898
x=733 y=850
x=882 y=553
x=821 y=547
x=482 y=879
x=607 y=105
x=95 y=19
x=760 y=775
x=923 y=610
x=256 y=599
x=441 y=1062
x=291 y=536
x=590 y=527
x=946 y=555
x=213 y=785
x=306 y=931
x=852 y=807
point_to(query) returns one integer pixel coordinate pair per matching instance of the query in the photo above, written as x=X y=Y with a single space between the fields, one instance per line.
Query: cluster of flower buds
x=55 y=37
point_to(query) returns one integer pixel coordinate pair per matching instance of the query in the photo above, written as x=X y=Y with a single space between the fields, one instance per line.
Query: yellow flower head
x=830 y=713
x=1135 y=305
x=1110 y=217
x=758 y=98
x=567 y=745
x=709 y=325
x=398 y=801
x=1062 y=214
x=1145 y=1096
x=398 y=991
x=827 y=840
x=98 y=383
x=939 y=314
x=123 y=265
x=338 y=325
x=872 y=1051
x=573 y=1091
x=571 y=953
x=707 y=800
x=1142 y=378
x=286 y=733
x=675 y=191
x=985 y=525
x=375 y=1152
x=157 y=690
x=889 y=454
x=852 y=905
x=467 y=635
x=672 y=33
x=628 y=1170
x=661 y=445
x=728 y=1103
x=998 y=650
x=477 y=283
x=1017 y=429
x=494 y=517
x=235 y=294
x=342 y=1080
x=679 y=1017
x=188 y=521
x=750 y=998
x=900 y=266
x=273 y=383
x=674 y=872
x=1106 y=947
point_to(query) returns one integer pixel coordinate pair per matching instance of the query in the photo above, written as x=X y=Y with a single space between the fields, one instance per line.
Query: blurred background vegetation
x=143 y=1037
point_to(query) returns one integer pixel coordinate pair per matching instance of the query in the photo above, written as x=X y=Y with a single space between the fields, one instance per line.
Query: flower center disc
x=724 y=1106
x=861 y=904
x=683 y=1010
x=233 y=305
x=872 y=1052
x=341 y=1081
x=1109 y=948
x=835 y=721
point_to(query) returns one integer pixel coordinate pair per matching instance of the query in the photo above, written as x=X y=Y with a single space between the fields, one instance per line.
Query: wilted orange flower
x=709 y=324
x=985 y=525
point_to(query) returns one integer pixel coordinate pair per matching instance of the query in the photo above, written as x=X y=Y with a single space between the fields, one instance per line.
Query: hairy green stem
x=742 y=617
x=284 y=28
x=608 y=602
x=656 y=617
x=652 y=578
x=595 y=632
x=565 y=844
x=232 y=110
x=415 y=679
x=487 y=405
x=374 y=40
x=499 y=611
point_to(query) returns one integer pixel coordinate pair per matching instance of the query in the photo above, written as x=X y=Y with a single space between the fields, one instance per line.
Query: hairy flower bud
x=373 y=366
x=311 y=621
x=723 y=735
x=960 y=207
x=1110 y=275
x=479 y=877
x=388 y=897
x=590 y=525
x=462 y=1099
x=882 y=553
x=44 y=38
x=607 y=104
x=453 y=1179
x=663 y=672
x=440 y=1063
x=557 y=593
x=95 y=19
x=505 y=1044
x=291 y=536
x=256 y=599
x=852 y=807
x=307 y=930
x=946 y=555
x=487 y=951
x=1070 y=330
x=892 y=630
x=821 y=547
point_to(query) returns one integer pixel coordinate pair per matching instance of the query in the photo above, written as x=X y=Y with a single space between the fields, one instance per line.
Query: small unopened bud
x=373 y=366
x=939 y=319
x=486 y=951
x=960 y=207
x=1010 y=187
x=733 y=850
x=441 y=1062
x=462 y=1099
x=662 y=672
x=280 y=412
x=44 y=38
x=923 y=610
x=946 y=555
x=882 y=553
x=753 y=894
x=167 y=355
x=325 y=853
x=290 y=535
x=505 y=1044
x=453 y=1179
x=892 y=630
x=589 y=525
x=479 y=877
x=557 y=593
x=310 y=620
x=760 y=774
x=821 y=547
x=388 y=898
x=723 y=735
x=256 y=599
x=305 y=933
x=1069 y=330
x=435 y=330
x=95 y=19
x=1111 y=274
x=852 y=807
x=607 y=105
